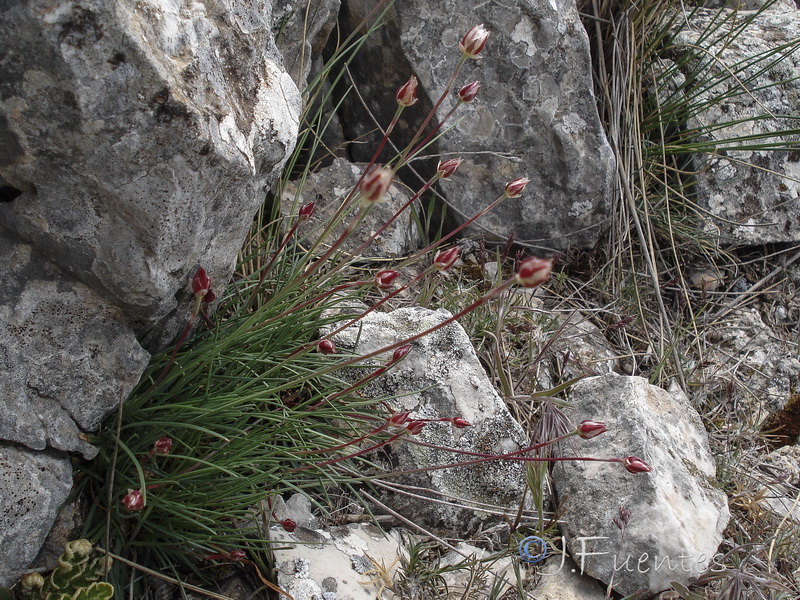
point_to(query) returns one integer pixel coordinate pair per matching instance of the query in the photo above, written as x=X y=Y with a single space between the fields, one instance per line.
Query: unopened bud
x=326 y=347
x=133 y=501
x=515 y=188
x=375 y=184
x=307 y=210
x=473 y=41
x=469 y=91
x=238 y=555
x=163 y=445
x=445 y=259
x=589 y=429
x=384 y=279
x=288 y=525
x=398 y=419
x=633 y=464
x=460 y=422
x=400 y=352
x=201 y=284
x=446 y=168
x=407 y=94
x=414 y=426
x=534 y=271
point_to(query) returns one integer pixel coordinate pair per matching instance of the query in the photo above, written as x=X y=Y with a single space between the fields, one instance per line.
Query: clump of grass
x=249 y=403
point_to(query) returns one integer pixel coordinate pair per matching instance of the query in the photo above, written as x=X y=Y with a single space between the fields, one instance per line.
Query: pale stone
x=677 y=512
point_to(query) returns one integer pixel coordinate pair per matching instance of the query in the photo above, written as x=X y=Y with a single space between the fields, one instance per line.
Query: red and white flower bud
x=398 y=419
x=385 y=279
x=534 y=271
x=288 y=525
x=415 y=426
x=237 y=555
x=400 y=352
x=326 y=347
x=588 y=429
x=469 y=91
x=133 y=501
x=515 y=188
x=445 y=259
x=446 y=168
x=473 y=41
x=201 y=284
x=307 y=210
x=633 y=464
x=163 y=445
x=375 y=184
x=407 y=93
x=460 y=422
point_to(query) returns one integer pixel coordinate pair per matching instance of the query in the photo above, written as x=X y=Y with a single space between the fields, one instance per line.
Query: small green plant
x=75 y=578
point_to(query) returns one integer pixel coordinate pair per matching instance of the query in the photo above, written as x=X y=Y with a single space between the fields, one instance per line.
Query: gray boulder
x=535 y=115
x=139 y=139
x=441 y=377
x=67 y=356
x=677 y=514
x=33 y=485
x=751 y=196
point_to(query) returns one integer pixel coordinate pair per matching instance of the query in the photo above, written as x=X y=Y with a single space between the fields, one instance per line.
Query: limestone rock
x=677 y=515
x=328 y=187
x=535 y=115
x=753 y=196
x=139 y=139
x=341 y=563
x=301 y=28
x=744 y=351
x=67 y=356
x=444 y=366
x=33 y=485
x=561 y=579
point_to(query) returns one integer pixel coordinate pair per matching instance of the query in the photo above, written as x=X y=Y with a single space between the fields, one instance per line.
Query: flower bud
x=398 y=419
x=201 y=284
x=460 y=422
x=589 y=429
x=633 y=464
x=209 y=297
x=407 y=94
x=515 y=188
x=415 y=426
x=384 y=279
x=237 y=555
x=163 y=445
x=375 y=184
x=469 y=91
x=473 y=41
x=400 y=352
x=326 y=347
x=445 y=259
x=288 y=525
x=534 y=271
x=306 y=210
x=133 y=501
x=446 y=168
